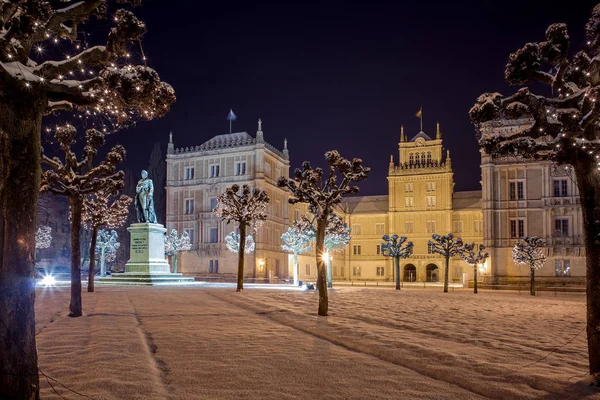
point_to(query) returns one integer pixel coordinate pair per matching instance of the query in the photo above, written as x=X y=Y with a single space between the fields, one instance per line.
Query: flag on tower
x=419 y=113
x=231 y=116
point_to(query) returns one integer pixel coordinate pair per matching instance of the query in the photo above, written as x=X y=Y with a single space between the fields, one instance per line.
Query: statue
x=144 y=200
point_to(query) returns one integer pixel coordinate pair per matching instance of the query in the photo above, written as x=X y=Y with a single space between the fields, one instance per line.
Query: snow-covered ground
x=213 y=343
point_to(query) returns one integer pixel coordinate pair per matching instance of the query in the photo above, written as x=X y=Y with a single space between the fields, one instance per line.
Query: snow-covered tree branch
x=43 y=237
x=297 y=240
x=106 y=247
x=393 y=246
x=447 y=247
x=474 y=255
x=175 y=244
x=529 y=252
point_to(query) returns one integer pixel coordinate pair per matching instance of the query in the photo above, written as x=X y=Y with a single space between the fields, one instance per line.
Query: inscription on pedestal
x=139 y=245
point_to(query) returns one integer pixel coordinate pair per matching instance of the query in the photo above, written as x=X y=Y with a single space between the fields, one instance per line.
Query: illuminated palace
x=518 y=198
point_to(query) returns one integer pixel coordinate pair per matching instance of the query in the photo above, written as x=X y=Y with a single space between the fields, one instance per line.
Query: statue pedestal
x=147 y=264
x=147 y=249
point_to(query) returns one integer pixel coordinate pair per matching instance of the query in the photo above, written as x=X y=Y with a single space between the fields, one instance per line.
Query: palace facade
x=518 y=198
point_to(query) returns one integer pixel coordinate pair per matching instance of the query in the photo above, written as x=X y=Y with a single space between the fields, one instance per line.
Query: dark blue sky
x=334 y=75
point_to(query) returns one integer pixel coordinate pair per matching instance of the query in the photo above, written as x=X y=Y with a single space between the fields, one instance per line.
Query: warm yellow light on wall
x=261 y=263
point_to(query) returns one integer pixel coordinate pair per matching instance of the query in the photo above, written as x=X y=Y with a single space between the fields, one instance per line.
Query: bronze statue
x=144 y=200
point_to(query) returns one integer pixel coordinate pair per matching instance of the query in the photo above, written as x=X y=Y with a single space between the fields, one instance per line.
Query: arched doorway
x=432 y=273
x=410 y=273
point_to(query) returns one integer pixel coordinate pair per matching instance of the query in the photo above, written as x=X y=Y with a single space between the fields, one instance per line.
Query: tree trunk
x=446 y=271
x=295 y=269
x=588 y=182
x=240 y=277
x=475 y=279
x=75 y=308
x=20 y=150
x=397 y=262
x=175 y=263
x=321 y=268
x=532 y=283
x=90 y=287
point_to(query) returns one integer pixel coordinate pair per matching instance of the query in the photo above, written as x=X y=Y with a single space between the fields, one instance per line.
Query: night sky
x=332 y=75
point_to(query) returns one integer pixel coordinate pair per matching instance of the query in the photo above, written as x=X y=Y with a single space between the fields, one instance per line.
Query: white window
x=379 y=229
x=561 y=227
x=408 y=187
x=458 y=225
x=430 y=186
x=215 y=170
x=356 y=250
x=307 y=269
x=517 y=228
x=430 y=201
x=240 y=168
x=562 y=268
x=189 y=206
x=356 y=230
x=560 y=188
x=516 y=190
x=380 y=271
x=409 y=201
x=355 y=271
x=431 y=226
x=409 y=226
x=190 y=233
x=378 y=249
x=189 y=173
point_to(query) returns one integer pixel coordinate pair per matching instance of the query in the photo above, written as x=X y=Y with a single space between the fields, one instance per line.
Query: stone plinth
x=147 y=249
x=147 y=264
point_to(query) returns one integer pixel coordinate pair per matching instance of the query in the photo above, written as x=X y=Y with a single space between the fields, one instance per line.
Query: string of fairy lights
x=105 y=113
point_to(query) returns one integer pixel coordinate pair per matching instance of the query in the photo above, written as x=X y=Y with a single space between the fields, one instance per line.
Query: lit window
x=560 y=188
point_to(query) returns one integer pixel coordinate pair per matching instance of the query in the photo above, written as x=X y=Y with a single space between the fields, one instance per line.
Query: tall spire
x=438 y=133
x=170 y=146
x=402 y=138
x=259 y=133
x=286 y=153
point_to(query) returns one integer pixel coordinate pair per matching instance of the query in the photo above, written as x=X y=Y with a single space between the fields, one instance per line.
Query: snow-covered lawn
x=211 y=343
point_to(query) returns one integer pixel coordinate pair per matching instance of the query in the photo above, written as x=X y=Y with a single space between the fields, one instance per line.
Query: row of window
x=409 y=187
x=430 y=201
x=214 y=170
x=189 y=206
x=516 y=189
x=414 y=158
x=517 y=228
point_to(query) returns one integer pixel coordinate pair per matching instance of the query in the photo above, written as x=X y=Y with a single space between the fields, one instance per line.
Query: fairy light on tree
x=337 y=235
x=175 y=244
x=103 y=209
x=297 y=240
x=474 y=255
x=529 y=252
x=447 y=247
x=322 y=195
x=33 y=85
x=106 y=246
x=248 y=209
x=562 y=128
x=232 y=242
x=77 y=178
x=392 y=246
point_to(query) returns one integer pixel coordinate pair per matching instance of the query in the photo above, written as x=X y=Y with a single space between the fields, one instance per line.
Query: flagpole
x=421 y=119
x=230 y=126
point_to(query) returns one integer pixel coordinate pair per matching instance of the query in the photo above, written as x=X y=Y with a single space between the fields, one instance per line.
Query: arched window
x=423 y=158
x=428 y=157
x=411 y=158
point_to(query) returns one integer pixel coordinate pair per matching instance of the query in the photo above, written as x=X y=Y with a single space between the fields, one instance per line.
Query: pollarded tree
x=392 y=246
x=562 y=128
x=528 y=251
x=77 y=179
x=447 y=247
x=247 y=208
x=99 y=81
x=337 y=235
x=232 y=242
x=322 y=195
x=475 y=256
x=107 y=246
x=297 y=240
x=175 y=243
x=100 y=210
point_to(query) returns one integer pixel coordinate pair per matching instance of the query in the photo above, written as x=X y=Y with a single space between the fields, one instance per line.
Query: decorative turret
x=170 y=146
x=259 y=133
x=402 y=137
x=286 y=153
x=448 y=160
x=438 y=133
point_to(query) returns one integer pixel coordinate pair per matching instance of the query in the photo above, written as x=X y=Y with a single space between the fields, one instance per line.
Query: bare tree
x=76 y=179
x=475 y=256
x=248 y=209
x=392 y=246
x=157 y=170
x=322 y=195
x=98 y=80
x=561 y=127
x=100 y=210
x=528 y=251
x=447 y=247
